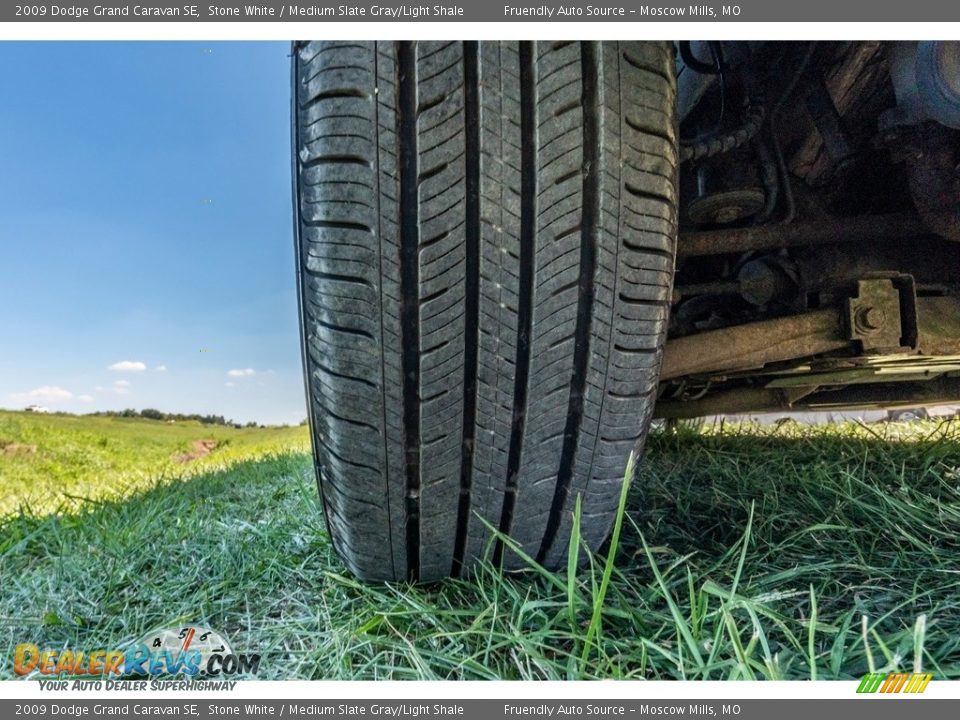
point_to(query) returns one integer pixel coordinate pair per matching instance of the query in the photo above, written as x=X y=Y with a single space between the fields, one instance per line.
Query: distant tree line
x=153 y=414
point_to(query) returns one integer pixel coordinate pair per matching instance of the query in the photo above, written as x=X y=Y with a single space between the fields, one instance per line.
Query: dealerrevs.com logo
x=189 y=651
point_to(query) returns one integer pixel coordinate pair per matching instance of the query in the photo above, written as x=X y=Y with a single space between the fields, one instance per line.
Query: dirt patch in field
x=200 y=448
x=8 y=447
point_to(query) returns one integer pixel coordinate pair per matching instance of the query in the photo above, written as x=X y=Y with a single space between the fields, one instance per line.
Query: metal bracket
x=883 y=315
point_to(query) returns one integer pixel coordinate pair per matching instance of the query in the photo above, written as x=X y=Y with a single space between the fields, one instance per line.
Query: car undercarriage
x=819 y=243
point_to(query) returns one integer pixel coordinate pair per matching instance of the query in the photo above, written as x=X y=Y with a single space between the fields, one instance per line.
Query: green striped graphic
x=871 y=682
x=894 y=682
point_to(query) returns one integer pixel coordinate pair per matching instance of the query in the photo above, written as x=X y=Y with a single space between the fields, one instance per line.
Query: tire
x=485 y=242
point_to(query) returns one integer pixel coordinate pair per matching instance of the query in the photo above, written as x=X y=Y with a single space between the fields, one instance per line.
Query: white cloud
x=161 y=368
x=99 y=388
x=49 y=394
x=121 y=387
x=85 y=398
x=128 y=366
x=230 y=384
x=243 y=372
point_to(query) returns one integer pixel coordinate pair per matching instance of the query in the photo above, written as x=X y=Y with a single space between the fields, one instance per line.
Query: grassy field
x=789 y=553
x=52 y=463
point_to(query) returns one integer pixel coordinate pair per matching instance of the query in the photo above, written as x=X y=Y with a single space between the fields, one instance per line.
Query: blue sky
x=146 y=254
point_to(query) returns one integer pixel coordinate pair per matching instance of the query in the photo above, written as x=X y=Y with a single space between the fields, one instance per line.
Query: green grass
x=795 y=553
x=58 y=463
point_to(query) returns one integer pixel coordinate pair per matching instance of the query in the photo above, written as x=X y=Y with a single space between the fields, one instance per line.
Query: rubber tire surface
x=486 y=242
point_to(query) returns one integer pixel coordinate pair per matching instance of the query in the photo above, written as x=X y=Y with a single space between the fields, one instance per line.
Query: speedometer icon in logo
x=189 y=649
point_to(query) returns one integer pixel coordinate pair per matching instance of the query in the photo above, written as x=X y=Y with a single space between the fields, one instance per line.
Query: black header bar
x=627 y=11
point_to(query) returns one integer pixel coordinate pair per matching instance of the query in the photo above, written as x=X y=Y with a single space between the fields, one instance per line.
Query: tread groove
x=344 y=92
x=471 y=84
x=382 y=320
x=335 y=160
x=337 y=225
x=409 y=289
x=588 y=260
x=528 y=220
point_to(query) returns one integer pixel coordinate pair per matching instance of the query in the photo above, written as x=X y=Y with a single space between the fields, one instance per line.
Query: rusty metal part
x=832 y=268
x=913 y=330
x=724 y=142
x=882 y=318
x=924 y=370
x=819 y=232
x=725 y=207
x=728 y=402
x=830 y=125
x=932 y=170
x=853 y=397
x=755 y=344
x=857 y=83
x=939 y=325
x=899 y=368
x=767 y=279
